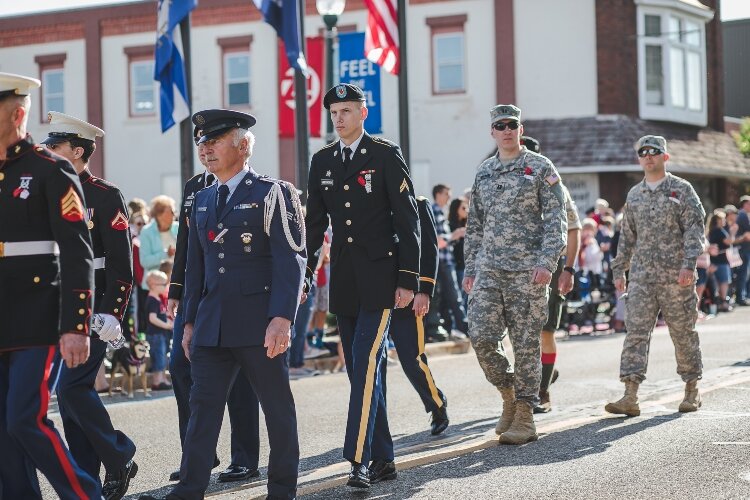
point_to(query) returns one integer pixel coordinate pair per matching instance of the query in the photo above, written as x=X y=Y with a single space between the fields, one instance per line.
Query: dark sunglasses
x=648 y=152
x=502 y=125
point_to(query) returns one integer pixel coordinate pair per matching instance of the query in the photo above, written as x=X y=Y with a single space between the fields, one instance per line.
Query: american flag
x=381 y=35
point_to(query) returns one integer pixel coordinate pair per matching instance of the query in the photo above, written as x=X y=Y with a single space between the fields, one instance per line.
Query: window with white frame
x=142 y=88
x=237 y=78
x=53 y=90
x=448 y=62
x=672 y=63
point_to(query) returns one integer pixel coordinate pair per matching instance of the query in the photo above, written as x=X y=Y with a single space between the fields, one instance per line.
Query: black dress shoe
x=175 y=476
x=116 y=483
x=237 y=473
x=380 y=470
x=359 y=477
x=439 y=420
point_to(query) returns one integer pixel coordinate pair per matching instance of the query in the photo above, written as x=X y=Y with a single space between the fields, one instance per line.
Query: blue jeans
x=297 y=349
x=723 y=274
x=159 y=344
x=742 y=287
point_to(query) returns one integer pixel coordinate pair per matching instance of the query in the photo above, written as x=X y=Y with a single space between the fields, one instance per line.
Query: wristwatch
x=569 y=269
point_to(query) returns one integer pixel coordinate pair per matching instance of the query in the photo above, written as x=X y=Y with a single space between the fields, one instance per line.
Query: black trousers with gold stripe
x=362 y=339
x=407 y=333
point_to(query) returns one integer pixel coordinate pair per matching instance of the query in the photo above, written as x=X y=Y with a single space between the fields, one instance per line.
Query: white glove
x=110 y=329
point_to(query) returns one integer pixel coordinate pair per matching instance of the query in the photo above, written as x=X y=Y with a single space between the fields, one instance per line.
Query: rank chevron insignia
x=119 y=222
x=404 y=187
x=71 y=208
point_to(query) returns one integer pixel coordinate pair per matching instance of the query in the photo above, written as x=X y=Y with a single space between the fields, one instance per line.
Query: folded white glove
x=110 y=329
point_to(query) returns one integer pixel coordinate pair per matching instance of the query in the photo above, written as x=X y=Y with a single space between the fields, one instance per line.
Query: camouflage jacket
x=517 y=216
x=662 y=231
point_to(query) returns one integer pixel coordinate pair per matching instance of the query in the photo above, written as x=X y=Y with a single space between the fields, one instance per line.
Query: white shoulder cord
x=277 y=195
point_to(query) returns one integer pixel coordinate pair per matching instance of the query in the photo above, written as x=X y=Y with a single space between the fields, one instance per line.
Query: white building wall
x=555 y=53
x=20 y=60
x=450 y=134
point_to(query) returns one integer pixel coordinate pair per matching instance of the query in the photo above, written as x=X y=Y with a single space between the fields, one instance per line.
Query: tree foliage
x=742 y=138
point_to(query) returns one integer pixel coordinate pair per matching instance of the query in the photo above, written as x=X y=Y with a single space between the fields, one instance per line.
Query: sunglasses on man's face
x=500 y=126
x=648 y=152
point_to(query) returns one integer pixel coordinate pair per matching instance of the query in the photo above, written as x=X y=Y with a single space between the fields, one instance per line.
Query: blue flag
x=169 y=69
x=284 y=16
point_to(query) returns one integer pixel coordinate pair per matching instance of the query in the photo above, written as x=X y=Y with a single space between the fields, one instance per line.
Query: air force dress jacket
x=238 y=277
x=373 y=213
x=41 y=208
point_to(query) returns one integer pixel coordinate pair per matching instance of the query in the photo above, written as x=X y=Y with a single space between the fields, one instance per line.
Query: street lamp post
x=330 y=10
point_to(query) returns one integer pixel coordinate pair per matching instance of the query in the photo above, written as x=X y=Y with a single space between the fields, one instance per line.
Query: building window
x=236 y=71
x=448 y=54
x=672 y=62
x=142 y=95
x=52 y=76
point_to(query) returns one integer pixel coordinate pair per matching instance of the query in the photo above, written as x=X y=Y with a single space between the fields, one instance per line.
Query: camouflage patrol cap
x=505 y=112
x=652 y=141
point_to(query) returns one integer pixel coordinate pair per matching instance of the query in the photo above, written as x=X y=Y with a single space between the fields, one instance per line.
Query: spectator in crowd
x=137 y=221
x=604 y=238
x=158 y=329
x=452 y=305
x=590 y=255
x=601 y=208
x=158 y=242
x=137 y=205
x=458 y=215
x=720 y=239
x=743 y=235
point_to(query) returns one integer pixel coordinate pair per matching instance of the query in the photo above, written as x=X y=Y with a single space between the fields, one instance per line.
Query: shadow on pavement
x=570 y=444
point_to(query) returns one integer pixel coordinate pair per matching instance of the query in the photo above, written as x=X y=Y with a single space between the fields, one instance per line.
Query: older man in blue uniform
x=242 y=403
x=47 y=276
x=243 y=285
x=363 y=184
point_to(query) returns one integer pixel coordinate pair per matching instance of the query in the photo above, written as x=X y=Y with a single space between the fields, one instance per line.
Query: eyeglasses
x=502 y=125
x=648 y=152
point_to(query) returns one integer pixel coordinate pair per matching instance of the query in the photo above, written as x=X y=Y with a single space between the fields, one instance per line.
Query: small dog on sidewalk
x=131 y=362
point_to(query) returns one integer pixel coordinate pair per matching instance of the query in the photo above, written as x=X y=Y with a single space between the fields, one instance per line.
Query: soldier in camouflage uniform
x=514 y=237
x=661 y=239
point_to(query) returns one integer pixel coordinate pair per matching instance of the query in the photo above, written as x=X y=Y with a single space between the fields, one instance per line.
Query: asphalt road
x=583 y=453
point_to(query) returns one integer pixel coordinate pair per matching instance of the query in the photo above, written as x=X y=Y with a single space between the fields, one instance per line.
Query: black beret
x=216 y=122
x=345 y=92
x=531 y=144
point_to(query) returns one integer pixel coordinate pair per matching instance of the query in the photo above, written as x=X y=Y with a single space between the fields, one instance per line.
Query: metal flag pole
x=300 y=113
x=187 y=146
x=403 y=83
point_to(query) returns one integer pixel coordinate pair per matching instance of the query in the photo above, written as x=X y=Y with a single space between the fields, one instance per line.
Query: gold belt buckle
x=2 y=249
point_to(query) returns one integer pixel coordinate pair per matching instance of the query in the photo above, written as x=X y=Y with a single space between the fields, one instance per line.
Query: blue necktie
x=223 y=195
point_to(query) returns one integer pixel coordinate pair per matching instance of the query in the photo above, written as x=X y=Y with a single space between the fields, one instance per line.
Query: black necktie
x=223 y=195
x=210 y=179
x=347 y=157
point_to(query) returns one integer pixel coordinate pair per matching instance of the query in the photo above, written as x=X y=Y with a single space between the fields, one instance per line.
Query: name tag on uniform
x=529 y=177
x=326 y=182
x=188 y=203
x=202 y=209
x=674 y=200
x=245 y=206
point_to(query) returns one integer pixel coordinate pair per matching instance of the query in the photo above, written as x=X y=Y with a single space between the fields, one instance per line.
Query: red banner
x=314 y=56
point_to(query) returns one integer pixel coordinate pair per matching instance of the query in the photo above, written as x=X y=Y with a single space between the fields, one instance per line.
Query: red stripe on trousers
x=52 y=436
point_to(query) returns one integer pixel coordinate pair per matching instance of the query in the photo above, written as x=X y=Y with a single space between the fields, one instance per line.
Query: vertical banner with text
x=354 y=68
x=314 y=56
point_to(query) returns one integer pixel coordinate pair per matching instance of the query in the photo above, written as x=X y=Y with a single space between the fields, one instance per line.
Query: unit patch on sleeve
x=71 y=208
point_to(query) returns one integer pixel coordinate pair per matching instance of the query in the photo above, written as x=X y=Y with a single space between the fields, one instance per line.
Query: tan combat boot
x=509 y=410
x=692 y=399
x=628 y=404
x=523 y=429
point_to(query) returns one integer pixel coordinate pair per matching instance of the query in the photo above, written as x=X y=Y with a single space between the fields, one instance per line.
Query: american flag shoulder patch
x=552 y=179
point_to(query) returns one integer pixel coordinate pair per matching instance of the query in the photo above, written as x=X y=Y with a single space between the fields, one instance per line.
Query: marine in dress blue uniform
x=242 y=403
x=92 y=439
x=242 y=290
x=46 y=271
x=363 y=185
x=407 y=325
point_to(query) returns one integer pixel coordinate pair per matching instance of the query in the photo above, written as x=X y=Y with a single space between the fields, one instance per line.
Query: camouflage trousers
x=508 y=301
x=678 y=306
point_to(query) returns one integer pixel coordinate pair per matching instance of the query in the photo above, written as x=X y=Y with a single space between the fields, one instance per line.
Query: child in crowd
x=158 y=328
